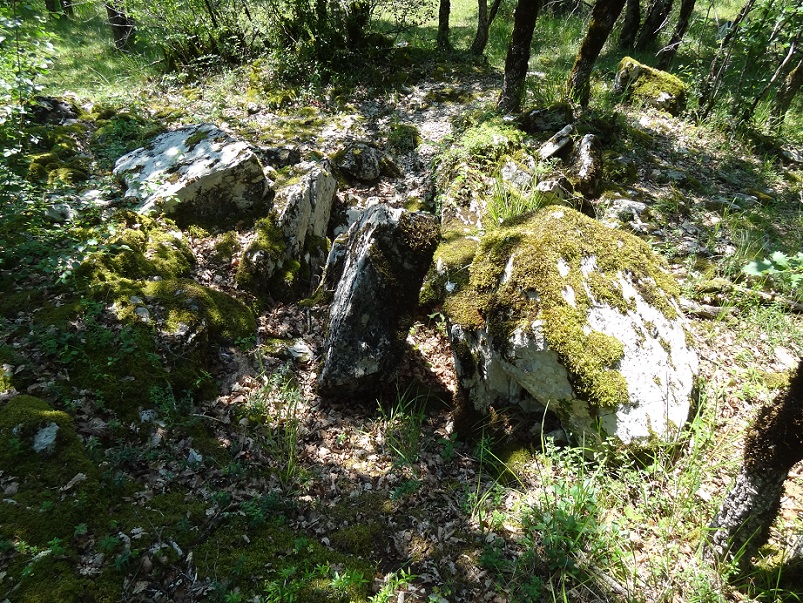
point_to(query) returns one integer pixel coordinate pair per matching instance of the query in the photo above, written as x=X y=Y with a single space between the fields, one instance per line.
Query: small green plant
x=786 y=267
x=172 y=409
x=402 y=427
x=393 y=583
x=275 y=407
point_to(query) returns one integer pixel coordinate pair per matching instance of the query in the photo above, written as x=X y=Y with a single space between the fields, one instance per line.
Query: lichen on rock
x=564 y=312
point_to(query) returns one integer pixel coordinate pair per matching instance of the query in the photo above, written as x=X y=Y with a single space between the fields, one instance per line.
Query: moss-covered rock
x=51 y=490
x=142 y=322
x=561 y=311
x=650 y=86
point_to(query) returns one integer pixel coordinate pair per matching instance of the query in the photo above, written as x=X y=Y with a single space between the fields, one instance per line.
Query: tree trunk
x=122 y=26
x=744 y=521
x=603 y=16
x=774 y=444
x=655 y=21
x=484 y=20
x=518 y=55
x=710 y=86
x=787 y=91
x=52 y=6
x=443 y=24
x=67 y=7
x=667 y=54
x=631 y=24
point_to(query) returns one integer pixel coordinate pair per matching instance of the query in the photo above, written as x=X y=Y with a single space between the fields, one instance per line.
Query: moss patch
x=557 y=254
x=265 y=556
x=53 y=492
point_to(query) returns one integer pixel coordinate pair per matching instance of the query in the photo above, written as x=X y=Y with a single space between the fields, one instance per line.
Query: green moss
x=403 y=137
x=262 y=256
x=195 y=139
x=554 y=250
x=651 y=84
x=58 y=487
x=144 y=248
x=358 y=539
x=226 y=246
x=253 y=559
x=187 y=302
x=450 y=268
x=66 y=175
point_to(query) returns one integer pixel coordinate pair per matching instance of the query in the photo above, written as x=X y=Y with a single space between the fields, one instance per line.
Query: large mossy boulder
x=562 y=312
x=197 y=174
x=375 y=273
x=649 y=86
x=142 y=321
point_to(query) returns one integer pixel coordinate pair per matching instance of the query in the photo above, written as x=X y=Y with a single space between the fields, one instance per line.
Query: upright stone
x=378 y=268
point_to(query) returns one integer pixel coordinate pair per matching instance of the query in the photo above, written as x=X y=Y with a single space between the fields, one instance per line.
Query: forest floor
x=379 y=498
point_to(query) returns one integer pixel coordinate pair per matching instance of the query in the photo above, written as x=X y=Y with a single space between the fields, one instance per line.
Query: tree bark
x=655 y=21
x=710 y=86
x=787 y=92
x=518 y=55
x=627 y=37
x=484 y=20
x=668 y=53
x=53 y=6
x=774 y=444
x=603 y=17
x=747 y=513
x=122 y=26
x=443 y=24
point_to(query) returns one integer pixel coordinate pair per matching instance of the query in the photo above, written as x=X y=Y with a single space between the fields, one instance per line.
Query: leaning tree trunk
x=443 y=24
x=122 y=26
x=518 y=55
x=484 y=20
x=787 y=91
x=773 y=445
x=627 y=37
x=603 y=16
x=710 y=86
x=654 y=22
x=667 y=53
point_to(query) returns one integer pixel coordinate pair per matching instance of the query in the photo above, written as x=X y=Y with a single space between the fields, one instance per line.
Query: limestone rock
x=366 y=163
x=550 y=119
x=565 y=313
x=293 y=238
x=558 y=142
x=304 y=208
x=196 y=174
x=380 y=264
x=650 y=86
x=587 y=166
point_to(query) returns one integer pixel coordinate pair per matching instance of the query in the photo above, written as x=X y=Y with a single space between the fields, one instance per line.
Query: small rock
x=561 y=140
x=45 y=438
x=60 y=213
x=194 y=458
